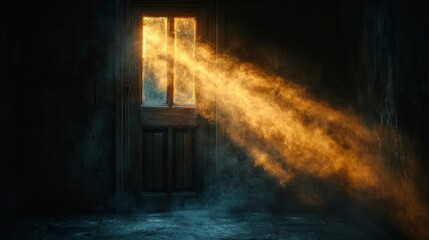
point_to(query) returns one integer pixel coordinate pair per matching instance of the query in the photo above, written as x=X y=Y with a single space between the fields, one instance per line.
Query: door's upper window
x=166 y=80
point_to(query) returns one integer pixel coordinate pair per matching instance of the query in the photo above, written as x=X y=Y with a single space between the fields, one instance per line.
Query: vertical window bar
x=170 y=90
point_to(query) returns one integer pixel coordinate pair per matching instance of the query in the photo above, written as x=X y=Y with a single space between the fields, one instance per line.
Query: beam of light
x=287 y=133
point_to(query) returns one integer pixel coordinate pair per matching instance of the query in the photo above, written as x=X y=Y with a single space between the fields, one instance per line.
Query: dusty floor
x=201 y=224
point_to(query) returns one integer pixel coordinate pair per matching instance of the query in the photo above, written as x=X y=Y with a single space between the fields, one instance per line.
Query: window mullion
x=170 y=87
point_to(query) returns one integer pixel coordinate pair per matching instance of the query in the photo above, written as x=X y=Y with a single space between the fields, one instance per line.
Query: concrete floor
x=190 y=224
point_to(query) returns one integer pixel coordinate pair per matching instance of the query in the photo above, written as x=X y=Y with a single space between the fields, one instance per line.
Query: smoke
x=298 y=139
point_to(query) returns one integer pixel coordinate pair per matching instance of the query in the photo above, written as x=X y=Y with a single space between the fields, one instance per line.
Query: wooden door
x=169 y=140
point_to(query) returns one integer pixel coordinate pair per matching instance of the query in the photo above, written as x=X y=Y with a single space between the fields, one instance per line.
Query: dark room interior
x=214 y=119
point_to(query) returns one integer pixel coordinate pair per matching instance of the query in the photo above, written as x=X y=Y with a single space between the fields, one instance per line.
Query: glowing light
x=155 y=61
x=185 y=36
x=160 y=64
x=287 y=132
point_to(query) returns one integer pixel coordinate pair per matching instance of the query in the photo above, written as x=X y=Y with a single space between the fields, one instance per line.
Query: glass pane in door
x=155 y=62
x=184 y=44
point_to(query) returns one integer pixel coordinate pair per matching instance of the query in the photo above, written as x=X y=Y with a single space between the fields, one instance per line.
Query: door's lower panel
x=154 y=163
x=183 y=160
x=168 y=161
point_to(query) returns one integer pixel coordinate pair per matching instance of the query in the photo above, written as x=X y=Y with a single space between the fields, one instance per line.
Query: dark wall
x=7 y=184
x=390 y=73
x=60 y=62
x=300 y=40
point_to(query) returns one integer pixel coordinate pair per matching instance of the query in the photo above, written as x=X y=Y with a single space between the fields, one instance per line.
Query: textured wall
x=7 y=191
x=61 y=64
x=299 y=40
x=390 y=68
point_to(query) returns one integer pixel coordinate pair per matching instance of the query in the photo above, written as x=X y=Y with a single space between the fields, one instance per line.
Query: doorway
x=168 y=149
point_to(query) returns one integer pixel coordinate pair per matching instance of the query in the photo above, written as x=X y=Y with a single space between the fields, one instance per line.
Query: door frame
x=123 y=165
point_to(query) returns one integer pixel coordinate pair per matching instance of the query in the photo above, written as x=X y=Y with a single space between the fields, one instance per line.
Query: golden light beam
x=285 y=131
